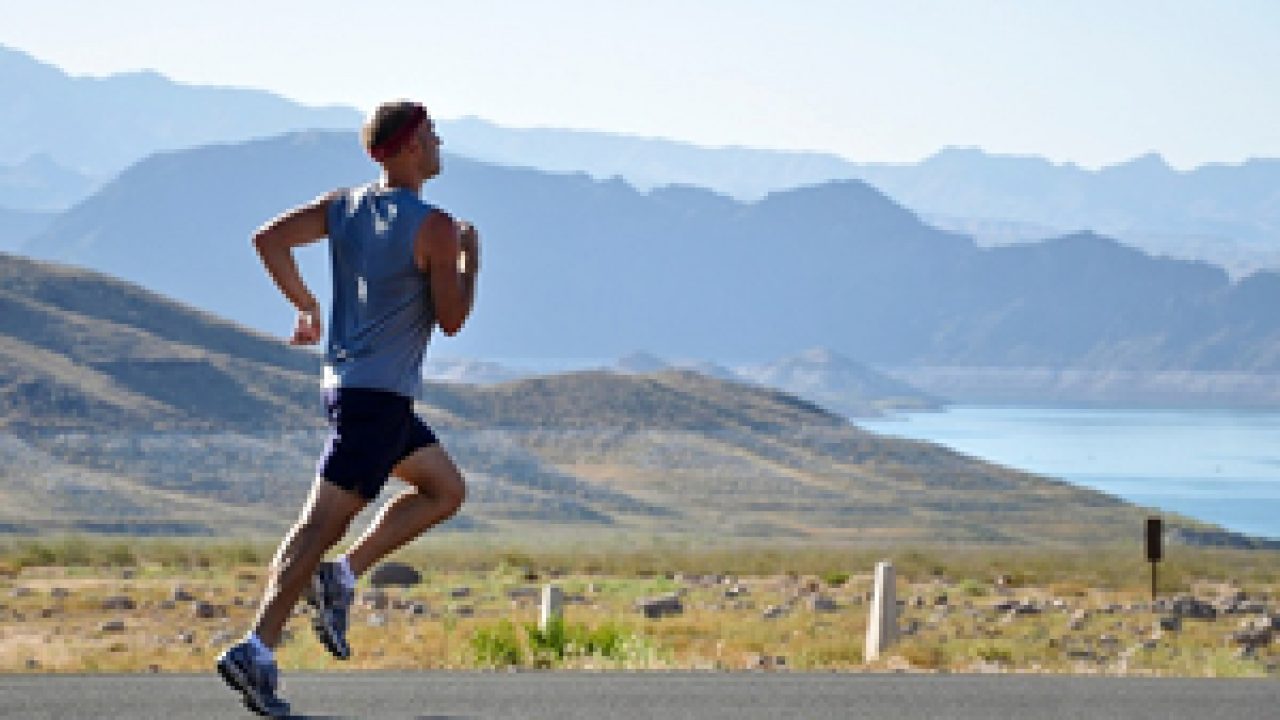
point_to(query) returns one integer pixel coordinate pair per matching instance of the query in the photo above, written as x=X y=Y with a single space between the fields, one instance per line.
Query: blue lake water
x=1218 y=466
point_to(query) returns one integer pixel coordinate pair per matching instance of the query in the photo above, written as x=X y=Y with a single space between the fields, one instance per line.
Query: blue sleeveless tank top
x=382 y=316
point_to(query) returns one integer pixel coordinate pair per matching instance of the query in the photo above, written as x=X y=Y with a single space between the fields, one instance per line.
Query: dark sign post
x=1154 y=550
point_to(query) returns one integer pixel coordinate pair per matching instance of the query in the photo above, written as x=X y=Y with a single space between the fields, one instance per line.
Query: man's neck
x=412 y=183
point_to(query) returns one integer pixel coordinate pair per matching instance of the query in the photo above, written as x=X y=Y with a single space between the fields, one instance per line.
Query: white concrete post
x=552 y=606
x=882 y=625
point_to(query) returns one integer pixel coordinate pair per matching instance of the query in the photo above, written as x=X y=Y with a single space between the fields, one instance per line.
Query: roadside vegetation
x=87 y=604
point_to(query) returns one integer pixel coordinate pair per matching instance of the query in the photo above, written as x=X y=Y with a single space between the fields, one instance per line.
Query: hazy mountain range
x=1227 y=214
x=99 y=125
x=124 y=412
x=582 y=268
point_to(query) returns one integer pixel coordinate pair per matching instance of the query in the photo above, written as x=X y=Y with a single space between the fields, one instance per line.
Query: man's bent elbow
x=451 y=326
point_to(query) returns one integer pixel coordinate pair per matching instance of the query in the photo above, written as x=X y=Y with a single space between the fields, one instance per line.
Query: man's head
x=401 y=136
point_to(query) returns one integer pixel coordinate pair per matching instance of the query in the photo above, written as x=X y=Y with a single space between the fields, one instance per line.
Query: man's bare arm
x=449 y=253
x=275 y=242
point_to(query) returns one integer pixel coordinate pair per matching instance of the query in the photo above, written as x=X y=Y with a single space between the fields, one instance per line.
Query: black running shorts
x=370 y=432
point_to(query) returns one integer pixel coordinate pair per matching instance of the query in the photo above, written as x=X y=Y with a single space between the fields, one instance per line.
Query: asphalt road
x=581 y=695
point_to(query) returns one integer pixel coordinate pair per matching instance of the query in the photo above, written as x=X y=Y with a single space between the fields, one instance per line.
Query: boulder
x=375 y=599
x=394 y=574
x=208 y=611
x=822 y=603
x=661 y=606
x=1186 y=606
x=119 y=602
x=112 y=626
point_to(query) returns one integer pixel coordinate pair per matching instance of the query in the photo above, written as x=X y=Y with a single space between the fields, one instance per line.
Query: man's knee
x=454 y=493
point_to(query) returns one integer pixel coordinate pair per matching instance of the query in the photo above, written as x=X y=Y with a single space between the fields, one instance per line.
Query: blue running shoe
x=331 y=600
x=253 y=678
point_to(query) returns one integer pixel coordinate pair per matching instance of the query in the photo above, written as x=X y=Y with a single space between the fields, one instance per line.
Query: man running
x=400 y=267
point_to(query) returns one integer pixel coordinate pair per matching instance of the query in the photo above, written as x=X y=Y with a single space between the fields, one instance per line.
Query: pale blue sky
x=1088 y=81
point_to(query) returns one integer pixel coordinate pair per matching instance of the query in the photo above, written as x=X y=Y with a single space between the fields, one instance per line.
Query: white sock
x=260 y=649
x=347 y=577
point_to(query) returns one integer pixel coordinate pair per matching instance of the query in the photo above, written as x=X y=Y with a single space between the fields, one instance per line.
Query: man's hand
x=469 y=242
x=307 y=330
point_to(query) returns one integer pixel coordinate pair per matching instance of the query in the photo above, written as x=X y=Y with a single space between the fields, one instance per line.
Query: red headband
x=392 y=145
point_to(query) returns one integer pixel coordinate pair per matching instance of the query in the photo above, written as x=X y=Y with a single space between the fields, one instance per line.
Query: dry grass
x=65 y=633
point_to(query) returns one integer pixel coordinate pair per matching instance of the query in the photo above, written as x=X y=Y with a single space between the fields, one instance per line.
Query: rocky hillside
x=124 y=412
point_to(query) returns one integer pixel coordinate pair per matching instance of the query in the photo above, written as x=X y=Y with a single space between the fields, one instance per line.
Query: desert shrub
x=835 y=578
x=497 y=646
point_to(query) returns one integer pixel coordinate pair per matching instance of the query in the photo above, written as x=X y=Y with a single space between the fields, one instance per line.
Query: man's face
x=429 y=142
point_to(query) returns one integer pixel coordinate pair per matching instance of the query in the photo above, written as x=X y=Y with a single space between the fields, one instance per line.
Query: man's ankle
x=345 y=575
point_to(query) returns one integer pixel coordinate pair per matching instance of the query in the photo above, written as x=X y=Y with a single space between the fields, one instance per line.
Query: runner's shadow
x=420 y=717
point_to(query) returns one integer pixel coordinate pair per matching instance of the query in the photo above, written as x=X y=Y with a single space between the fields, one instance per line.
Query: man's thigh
x=431 y=471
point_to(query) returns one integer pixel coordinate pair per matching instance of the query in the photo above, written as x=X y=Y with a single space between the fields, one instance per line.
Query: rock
x=32 y=664
x=59 y=593
x=47 y=613
x=180 y=594
x=735 y=591
x=167 y=605
x=524 y=593
x=1186 y=606
x=128 y=574
x=186 y=637
x=940 y=600
x=208 y=611
x=464 y=611
x=375 y=599
x=111 y=626
x=377 y=620
x=119 y=602
x=1026 y=607
x=1077 y=621
x=756 y=661
x=661 y=606
x=773 y=612
x=220 y=638
x=1172 y=623
x=822 y=603
x=21 y=592
x=394 y=574
x=418 y=608
x=459 y=593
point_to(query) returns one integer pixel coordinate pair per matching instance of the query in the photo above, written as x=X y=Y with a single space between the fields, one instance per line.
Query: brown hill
x=121 y=411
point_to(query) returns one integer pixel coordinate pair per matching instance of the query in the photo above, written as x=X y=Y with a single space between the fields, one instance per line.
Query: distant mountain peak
x=641 y=362
x=1149 y=162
